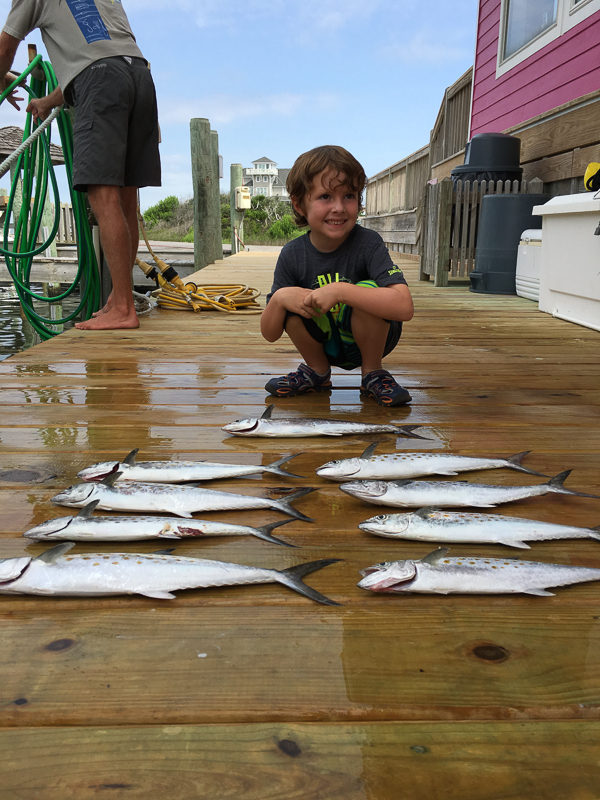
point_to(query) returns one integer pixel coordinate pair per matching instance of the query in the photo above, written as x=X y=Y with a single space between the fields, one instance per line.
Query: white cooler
x=570 y=278
x=529 y=264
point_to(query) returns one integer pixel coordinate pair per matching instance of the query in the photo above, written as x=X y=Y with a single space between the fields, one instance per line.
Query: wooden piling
x=215 y=200
x=237 y=179
x=201 y=178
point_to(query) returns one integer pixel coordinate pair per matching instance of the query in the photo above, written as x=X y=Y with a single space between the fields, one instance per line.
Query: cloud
x=425 y=48
x=222 y=109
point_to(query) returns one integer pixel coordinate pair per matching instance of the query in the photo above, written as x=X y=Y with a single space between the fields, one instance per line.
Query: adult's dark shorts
x=115 y=133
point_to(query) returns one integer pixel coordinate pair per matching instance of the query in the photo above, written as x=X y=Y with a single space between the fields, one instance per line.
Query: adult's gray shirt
x=75 y=32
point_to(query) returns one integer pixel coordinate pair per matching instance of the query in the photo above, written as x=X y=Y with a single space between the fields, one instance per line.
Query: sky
x=276 y=78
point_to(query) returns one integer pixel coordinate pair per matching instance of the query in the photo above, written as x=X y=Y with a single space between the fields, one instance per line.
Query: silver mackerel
x=84 y=527
x=439 y=573
x=169 y=498
x=178 y=471
x=299 y=427
x=435 y=525
x=392 y=466
x=417 y=494
x=55 y=573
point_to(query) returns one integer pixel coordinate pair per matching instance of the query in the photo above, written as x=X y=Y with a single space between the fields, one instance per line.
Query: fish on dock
x=418 y=494
x=169 y=498
x=393 y=466
x=436 y=525
x=179 y=471
x=439 y=573
x=298 y=427
x=155 y=575
x=84 y=527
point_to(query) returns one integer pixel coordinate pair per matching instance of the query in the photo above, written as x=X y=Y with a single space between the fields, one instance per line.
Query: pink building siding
x=567 y=68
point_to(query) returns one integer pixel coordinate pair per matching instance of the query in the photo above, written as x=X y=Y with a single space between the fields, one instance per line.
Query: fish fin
x=511 y=543
x=284 y=505
x=264 y=532
x=275 y=467
x=111 y=479
x=292 y=578
x=268 y=411
x=515 y=463
x=555 y=484
x=184 y=514
x=168 y=536
x=435 y=555
x=426 y=511
x=403 y=482
x=158 y=595
x=538 y=592
x=87 y=510
x=51 y=556
x=370 y=450
x=130 y=459
x=166 y=552
x=445 y=472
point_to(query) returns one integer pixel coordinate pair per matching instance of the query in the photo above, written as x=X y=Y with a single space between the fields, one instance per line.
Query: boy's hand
x=293 y=299
x=325 y=298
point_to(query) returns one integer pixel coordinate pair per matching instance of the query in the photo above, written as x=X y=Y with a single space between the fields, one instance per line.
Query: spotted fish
x=95 y=574
x=439 y=573
x=392 y=466
x=300 y=427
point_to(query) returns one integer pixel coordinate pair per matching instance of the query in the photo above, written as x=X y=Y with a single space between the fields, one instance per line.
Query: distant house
x=264 y=177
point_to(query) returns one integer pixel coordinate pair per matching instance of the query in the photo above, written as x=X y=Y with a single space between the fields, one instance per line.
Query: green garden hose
x=38 y=173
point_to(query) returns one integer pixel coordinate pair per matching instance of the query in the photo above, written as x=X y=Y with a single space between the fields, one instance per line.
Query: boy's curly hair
x=328 y=157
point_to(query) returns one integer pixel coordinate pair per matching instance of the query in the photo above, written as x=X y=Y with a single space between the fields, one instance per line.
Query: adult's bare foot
x=105 y=308
x=109 y=321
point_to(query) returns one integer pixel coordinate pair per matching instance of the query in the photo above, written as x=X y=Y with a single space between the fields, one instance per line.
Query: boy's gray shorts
x=115 y=133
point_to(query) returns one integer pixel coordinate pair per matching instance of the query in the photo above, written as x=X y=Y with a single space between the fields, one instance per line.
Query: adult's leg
x=311 y=351
x=370 y=334
x=112 y=207
x=128 y=196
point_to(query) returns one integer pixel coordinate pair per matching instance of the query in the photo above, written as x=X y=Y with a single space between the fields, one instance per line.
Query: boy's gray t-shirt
x=363 y=256
x=75 y=32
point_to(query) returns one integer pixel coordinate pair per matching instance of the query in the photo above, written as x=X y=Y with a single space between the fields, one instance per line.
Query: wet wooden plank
x=206 y=663
x=489 y=376
x=316 y=762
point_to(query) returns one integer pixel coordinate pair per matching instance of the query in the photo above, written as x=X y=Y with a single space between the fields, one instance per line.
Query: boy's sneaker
x=302 y=381
x=382 y=386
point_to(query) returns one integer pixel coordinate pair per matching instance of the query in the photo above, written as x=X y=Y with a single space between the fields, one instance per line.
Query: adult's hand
x=12 y=98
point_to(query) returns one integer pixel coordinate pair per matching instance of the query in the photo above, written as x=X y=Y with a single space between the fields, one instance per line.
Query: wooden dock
x=255 y=692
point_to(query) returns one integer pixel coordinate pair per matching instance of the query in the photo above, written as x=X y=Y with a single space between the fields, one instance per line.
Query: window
x=527 y=26
x=261 y=190
x=525 y=20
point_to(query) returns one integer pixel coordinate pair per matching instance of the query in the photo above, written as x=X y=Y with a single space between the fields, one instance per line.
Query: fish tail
x=284 y=505
x=555 y=484
x=264 y=532
x=292 y=578
x=515 y=463
x=275 y=467
x=595 y=533
x=407 y=431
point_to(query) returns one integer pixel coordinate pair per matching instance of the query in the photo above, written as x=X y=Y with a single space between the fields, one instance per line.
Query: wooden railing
x=67 y=233
x=451 y=130
x=451 y=224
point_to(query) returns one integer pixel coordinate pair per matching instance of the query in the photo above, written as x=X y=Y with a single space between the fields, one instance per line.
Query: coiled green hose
x=37 y=170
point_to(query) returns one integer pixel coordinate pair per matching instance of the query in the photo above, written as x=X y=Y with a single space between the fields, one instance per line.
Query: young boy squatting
x=336 y=291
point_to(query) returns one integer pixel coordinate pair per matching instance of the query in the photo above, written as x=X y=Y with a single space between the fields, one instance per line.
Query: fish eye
x=381 y=517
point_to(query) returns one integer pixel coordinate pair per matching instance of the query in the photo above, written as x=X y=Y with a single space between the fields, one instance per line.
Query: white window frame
x=568 y=14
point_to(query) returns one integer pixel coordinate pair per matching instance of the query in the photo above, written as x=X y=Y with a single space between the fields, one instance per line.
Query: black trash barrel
x=503 y=219
x=490 y=157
